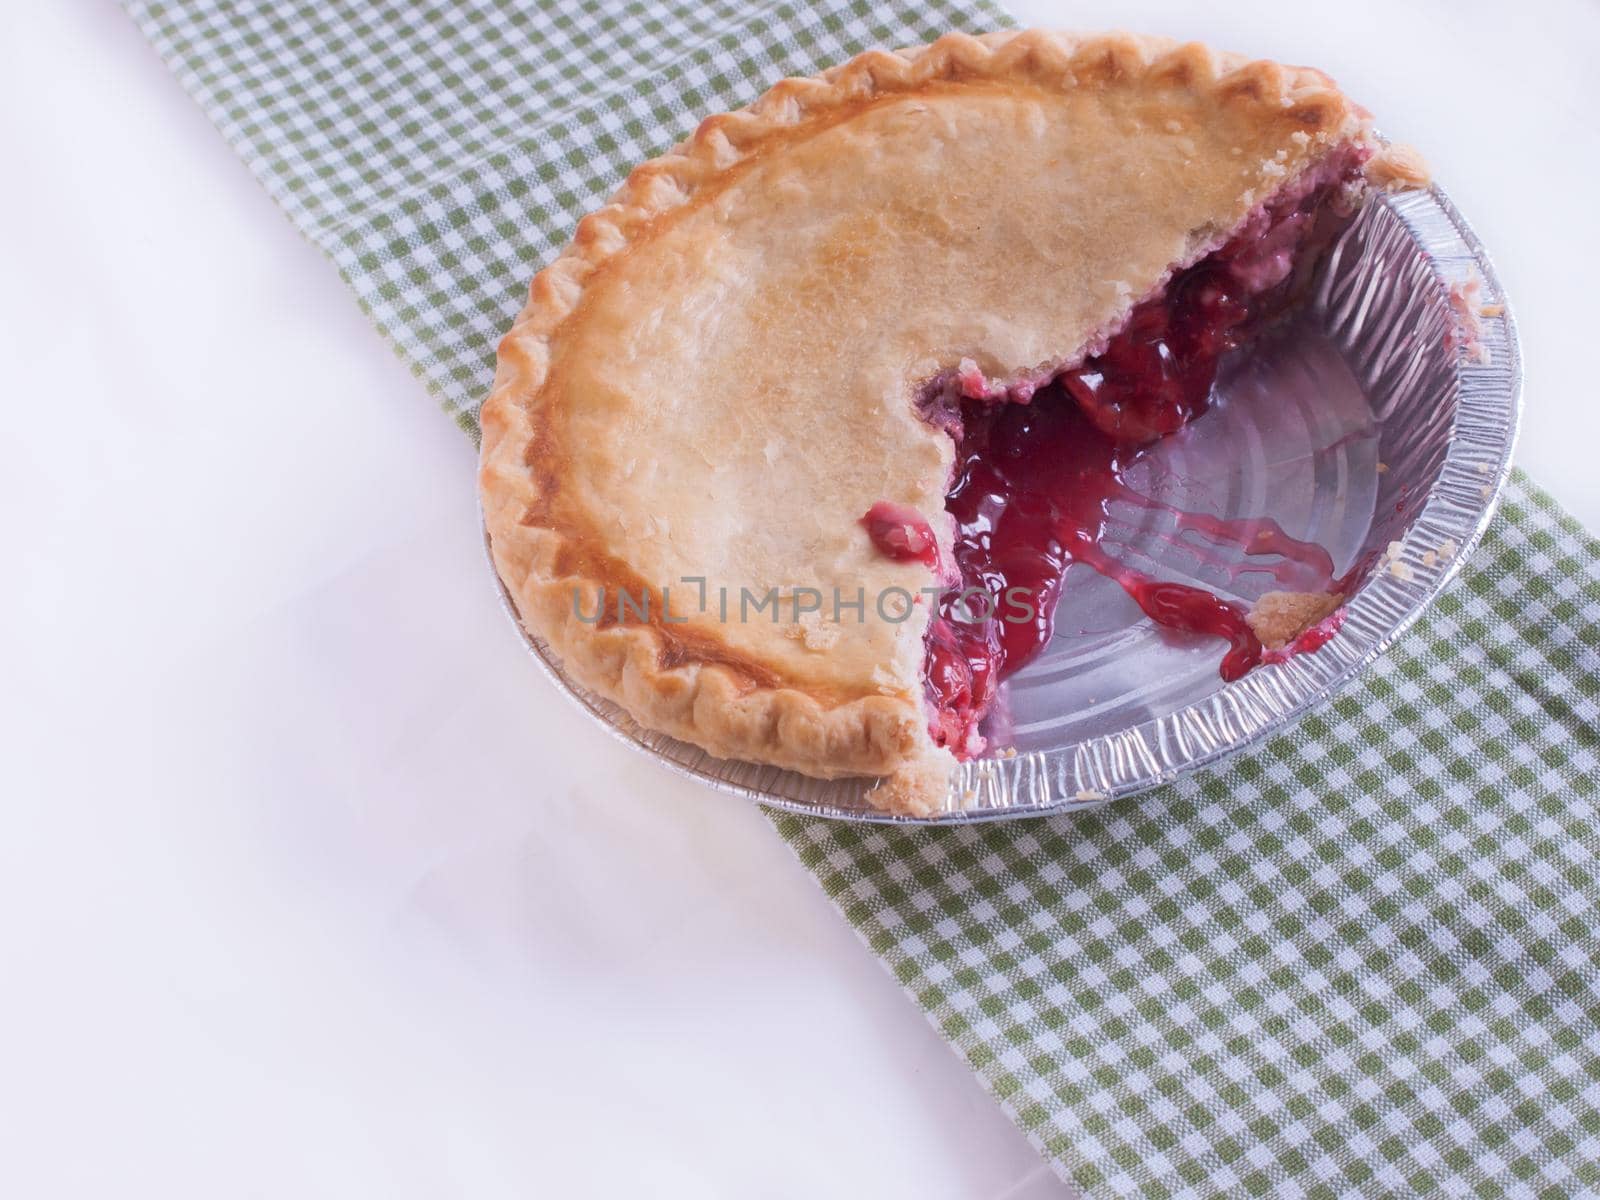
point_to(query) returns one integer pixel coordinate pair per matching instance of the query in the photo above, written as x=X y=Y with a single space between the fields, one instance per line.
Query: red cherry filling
x=899 y=532
x=1035 y=472
x=1156 y=374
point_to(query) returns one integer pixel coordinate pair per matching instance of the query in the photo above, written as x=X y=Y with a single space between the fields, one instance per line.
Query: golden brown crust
x=550 y=482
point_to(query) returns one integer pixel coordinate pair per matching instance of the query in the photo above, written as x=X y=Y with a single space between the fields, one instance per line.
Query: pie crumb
x=815 y=634
x=1397 y=167
x=1449 y=548
x=1391 y=562
x=1090 y=794
x=1277 y=618
x=1467 y=336
x=1383 y=468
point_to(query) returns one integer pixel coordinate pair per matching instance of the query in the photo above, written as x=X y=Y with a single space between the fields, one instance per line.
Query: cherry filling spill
x=1036 y=471
x=899 y=532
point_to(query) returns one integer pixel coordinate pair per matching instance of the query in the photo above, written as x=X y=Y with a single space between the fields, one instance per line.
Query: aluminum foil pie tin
x=1367 y=427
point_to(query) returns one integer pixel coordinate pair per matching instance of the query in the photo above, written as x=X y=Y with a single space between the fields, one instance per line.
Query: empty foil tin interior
x=1367 y=427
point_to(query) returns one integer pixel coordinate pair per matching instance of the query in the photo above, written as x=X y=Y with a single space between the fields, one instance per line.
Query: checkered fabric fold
x=1361 y=959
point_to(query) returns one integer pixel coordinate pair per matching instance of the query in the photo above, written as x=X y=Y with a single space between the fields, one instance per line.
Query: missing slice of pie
x=791 y=447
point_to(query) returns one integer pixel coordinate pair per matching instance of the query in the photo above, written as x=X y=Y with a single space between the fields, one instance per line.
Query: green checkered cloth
x=1359 y=960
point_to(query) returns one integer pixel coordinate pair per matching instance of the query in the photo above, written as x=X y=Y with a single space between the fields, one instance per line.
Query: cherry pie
x=790 y=449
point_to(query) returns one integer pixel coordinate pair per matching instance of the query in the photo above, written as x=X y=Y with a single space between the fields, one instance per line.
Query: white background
x=309 y=884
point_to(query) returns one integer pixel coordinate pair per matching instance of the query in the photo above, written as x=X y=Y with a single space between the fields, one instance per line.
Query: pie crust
x=720 y=374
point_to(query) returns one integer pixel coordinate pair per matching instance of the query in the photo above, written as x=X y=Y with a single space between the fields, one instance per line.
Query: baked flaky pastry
x=750 y=374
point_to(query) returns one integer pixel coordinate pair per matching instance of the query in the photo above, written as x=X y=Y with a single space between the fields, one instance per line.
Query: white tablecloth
x=309 y=884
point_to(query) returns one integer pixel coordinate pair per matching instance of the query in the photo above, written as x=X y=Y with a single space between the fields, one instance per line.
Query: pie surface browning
x=719 y=376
